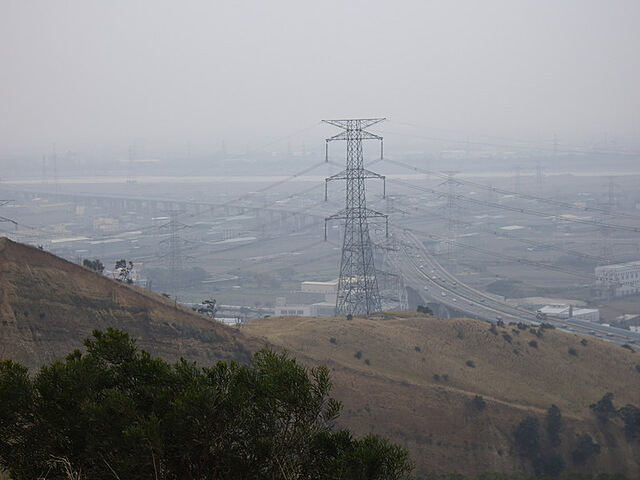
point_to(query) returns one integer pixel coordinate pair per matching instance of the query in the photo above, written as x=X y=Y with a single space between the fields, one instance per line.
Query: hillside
x=408 y=376
x=413 y=377
x=48 y=306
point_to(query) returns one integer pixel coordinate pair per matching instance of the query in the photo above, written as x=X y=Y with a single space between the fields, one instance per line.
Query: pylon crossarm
x=339 y=136
x=365 y=174
x=341 y=215
x=373 y=214
x=338 y=176
x=355 y=124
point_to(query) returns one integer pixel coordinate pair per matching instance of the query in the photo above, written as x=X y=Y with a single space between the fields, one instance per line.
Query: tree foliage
x=116 y=412
x=630 y=415
x=554 y=425
x=604 y=408
x=585 y=449
x=124 y=271
x=209 y=308
x=95 y=265
x=527 y=436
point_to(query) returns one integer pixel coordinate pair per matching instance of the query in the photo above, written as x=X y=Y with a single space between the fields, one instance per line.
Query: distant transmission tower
x=5 y=219
x=539 y=177
x=357 y=286
x=45 y=174
x=605 y=231
x=174 y=241
x=54 y=162
x=452 y=211
x=131 y=171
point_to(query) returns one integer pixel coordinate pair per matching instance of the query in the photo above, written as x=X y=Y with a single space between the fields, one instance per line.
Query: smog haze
x=89 y=75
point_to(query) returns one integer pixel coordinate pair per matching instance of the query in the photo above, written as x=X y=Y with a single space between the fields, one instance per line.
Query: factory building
x=315 y=299
x=568 y=311
x=619 y=280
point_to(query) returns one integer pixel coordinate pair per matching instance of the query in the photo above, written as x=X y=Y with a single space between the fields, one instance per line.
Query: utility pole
x=357 y=286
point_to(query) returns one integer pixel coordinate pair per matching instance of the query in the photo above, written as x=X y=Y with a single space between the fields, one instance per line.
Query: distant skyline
x=93 y=75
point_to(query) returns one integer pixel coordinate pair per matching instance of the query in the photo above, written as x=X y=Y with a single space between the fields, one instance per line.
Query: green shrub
x=554 y=425
x=585 y=449
x=478 y=402
x=470 y=363
x=115 y=409
x=527 y=435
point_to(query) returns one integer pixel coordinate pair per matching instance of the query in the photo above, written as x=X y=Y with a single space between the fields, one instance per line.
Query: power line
x=523 y=210
x=502 y=255
x=515 y=194
x=498 y=233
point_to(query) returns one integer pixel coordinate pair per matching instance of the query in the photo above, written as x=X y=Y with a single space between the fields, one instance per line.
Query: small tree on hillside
x=209 y=308
x=527 y=436
x=585 y=449
x=554 y=425
x=631 y=417
x=124 y=270
x=604 y=408
x=95 y=265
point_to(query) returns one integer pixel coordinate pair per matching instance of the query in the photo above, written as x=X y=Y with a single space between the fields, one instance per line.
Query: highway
x=423 y=273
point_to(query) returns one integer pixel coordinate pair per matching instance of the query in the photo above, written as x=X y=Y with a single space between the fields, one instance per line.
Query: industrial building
x=568 y=311
x=620 y=279
x=325 y=308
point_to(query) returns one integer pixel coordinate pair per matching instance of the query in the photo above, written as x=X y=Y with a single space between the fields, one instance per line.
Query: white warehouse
x=567 y=311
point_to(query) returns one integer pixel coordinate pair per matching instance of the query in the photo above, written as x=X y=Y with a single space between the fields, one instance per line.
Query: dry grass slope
x=48 y=306
x=416 y=348
x=413 y=377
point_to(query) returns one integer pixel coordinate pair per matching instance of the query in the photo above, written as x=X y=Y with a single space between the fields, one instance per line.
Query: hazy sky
x=98 y=73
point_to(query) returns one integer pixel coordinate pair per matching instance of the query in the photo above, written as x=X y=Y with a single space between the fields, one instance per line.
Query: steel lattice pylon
x=357 y=286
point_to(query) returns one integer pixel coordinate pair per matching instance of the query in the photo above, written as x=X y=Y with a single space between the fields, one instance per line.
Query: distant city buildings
x=619 y=279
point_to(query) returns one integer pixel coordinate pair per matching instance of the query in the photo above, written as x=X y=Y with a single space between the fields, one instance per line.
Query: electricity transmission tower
x=174 y=241
x=5 y=219
x=539 y=177
x=131 y=172
x=357 y=286
x=605 y=231
x=451 y=207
